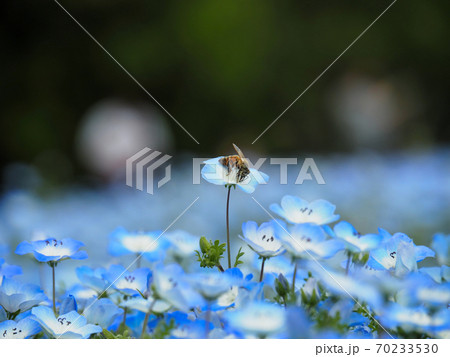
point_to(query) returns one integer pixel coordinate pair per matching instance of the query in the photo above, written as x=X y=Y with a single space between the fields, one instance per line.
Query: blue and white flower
x=398 y=253
x=211 y=285
x=148 y=304
x=362 y=288
x=263 y=240
x=296 y=210
x=258 y=319
x=172 y=286
x=150 y=244
x=16 y=296
x=68 y=304
x=129 y=283
x=216 y=173
x=355 y=241
x=182 y=244
x=22 y=329
x=421 y=289
x=81 y=294
x=415 y=318
x=8 y=271
x=92 y=278
x=101 y=312
x=53 y=250
x=438 y=274
x=308 y=241
x=70 y=325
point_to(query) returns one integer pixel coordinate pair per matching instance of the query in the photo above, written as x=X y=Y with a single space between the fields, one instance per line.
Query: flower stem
x=348 y=262
x=294 y=277
x=54 y=293
x=147 y=315
x=228 y=228
x=262 y=269
x=124 y=321
x=220 y=267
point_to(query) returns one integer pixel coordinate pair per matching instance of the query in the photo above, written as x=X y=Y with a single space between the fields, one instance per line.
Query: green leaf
x=239 y=255
x=108 y=334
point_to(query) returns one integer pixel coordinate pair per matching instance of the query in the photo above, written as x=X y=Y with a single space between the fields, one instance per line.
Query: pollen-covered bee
x=236 y=163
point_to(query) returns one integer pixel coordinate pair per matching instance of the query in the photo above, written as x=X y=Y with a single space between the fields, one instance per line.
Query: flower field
x=304 y=272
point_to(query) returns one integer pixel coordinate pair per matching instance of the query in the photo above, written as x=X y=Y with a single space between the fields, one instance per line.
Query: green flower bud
x=281 y=285
x=204 y=245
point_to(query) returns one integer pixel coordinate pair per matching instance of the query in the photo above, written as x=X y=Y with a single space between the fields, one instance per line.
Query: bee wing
x=241 y=154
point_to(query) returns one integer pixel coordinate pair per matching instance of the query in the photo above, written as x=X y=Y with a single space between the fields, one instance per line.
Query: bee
x=236 y=162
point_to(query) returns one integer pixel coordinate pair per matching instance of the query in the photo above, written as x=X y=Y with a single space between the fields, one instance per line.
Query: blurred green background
x=226 y=70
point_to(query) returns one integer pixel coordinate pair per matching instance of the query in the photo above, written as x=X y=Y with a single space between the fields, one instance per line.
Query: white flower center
x=140 y=243
x=54 y=248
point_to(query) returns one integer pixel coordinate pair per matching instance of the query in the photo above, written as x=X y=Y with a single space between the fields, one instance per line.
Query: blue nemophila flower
x=438 y=274
x=182 y=244
x=217 y=173
x=296 y=210
x=92 y=278
x=355 y=241
x=101 y=312
x=212 y=285
x=264 y=240
x=8 y=271
x=129 y=283
x=22 y=329
x=298 y=324
x=422 y=289
x=362 y=331
x=360 y=286
x=192 y=329
x=171 y=285
x=70 y=325
x=398 y=253
x=53 y=250
x=415 y=318
x=309 y=238
x=441 y=245
x=260 y=319
x=82 y=294
x=147 y=304
x=67 y=305
x=150 y=244
x=434 y=294
x=16 y=296
x=240 y=283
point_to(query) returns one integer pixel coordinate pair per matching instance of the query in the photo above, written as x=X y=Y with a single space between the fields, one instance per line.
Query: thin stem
x=294 y=277
x=147 y=315
x=348 y=262
x=228 y=228
x=262 y=269
x=124 y=320
x=54 y=293
x=220 y=267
